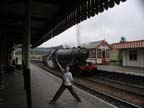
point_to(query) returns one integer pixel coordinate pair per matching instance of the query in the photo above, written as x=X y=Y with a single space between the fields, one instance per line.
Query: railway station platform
x=13 y=92
x=122 y=69
x=43 y=87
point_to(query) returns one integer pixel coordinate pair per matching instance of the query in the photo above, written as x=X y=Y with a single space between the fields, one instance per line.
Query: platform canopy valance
x=48 y=17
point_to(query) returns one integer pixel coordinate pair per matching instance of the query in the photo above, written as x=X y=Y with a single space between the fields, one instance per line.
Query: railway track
x=138 y=90
x=117 y=93
x=116 y=96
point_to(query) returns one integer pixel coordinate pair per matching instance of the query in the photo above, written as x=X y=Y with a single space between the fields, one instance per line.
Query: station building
x=99 y=52
x=132 y=52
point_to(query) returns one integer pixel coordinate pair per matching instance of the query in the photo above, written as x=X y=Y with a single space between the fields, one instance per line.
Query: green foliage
x=114 y=56
x=120 y=58
x=123 y=39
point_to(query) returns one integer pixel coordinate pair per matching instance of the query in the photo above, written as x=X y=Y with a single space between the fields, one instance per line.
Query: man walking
x=67 y=83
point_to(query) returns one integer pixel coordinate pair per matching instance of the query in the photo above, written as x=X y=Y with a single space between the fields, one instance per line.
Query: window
x=133 y=55
x=98 y=53
x=107 y=53
x=92 y=53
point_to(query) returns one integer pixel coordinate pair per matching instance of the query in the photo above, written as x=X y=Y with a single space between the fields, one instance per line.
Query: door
x=103 y=57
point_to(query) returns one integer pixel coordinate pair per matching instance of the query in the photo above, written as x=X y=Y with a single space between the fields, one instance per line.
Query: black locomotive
x=74 y=57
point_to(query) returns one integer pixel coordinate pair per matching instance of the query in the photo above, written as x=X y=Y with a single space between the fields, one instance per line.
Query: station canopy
x=48 y=17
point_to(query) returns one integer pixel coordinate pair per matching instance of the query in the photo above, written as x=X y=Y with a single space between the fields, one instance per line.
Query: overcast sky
x=126 y=19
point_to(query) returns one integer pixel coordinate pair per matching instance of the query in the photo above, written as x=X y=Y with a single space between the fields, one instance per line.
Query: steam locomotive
x=74 y=57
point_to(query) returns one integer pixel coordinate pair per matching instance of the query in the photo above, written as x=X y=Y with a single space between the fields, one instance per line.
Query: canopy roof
x=49 y=17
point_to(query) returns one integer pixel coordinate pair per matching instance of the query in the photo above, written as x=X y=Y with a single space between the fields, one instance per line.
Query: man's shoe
x=79 y=100
x=52 y=102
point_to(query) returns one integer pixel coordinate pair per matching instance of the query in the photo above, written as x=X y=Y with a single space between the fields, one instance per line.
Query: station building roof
x=49 y=17
x=129 y=44
x=96 y=44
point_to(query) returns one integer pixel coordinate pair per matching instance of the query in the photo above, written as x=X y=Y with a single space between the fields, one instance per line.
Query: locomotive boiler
x=74 y=57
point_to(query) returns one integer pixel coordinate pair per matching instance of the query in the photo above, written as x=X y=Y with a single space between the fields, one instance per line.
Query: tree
x=120 y=58
x=123 y=39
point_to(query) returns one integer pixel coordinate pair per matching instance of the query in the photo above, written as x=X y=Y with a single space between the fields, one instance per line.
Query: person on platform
x=66 y=83
x=12 y=57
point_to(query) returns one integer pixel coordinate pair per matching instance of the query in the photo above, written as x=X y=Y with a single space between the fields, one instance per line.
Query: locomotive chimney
x=78 y=34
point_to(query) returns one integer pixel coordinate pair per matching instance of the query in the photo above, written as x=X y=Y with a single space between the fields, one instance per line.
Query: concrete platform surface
x=44 y=86
x=121 y=69
x=14 y=93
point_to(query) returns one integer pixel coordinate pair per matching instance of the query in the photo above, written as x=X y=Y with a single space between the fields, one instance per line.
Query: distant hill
x=39 y=50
